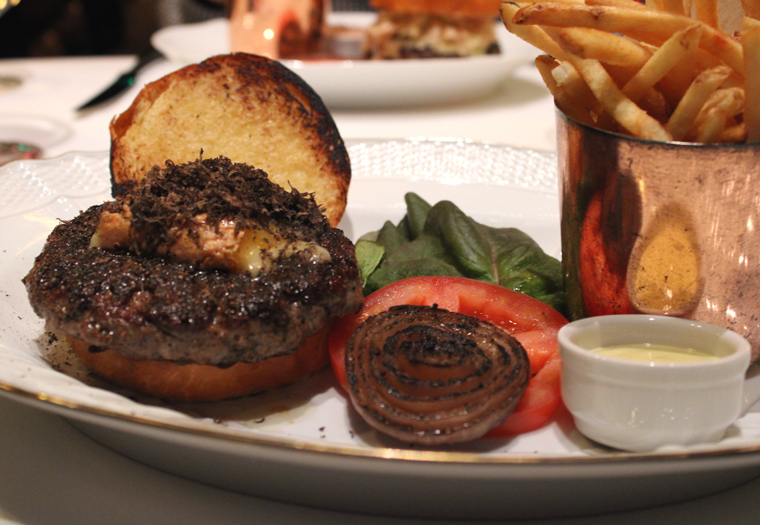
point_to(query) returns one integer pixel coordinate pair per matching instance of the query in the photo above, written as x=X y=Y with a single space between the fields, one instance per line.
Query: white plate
x=367 y=83
x=304 y=444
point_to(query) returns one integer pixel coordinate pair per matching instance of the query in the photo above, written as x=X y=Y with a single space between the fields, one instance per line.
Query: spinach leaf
x=443 y=240
x=387 y=274
x=522 y=265
x=417 y=210
x=465 y=241
x=390 y=237
x=369 y=254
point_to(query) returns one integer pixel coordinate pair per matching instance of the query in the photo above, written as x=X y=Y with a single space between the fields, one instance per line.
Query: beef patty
x=145 y=303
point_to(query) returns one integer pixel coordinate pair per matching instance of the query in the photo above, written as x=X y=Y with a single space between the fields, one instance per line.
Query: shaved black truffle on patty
x=221 y=190
x=147 y=306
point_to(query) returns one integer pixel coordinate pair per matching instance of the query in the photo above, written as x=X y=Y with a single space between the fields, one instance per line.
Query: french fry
x=621 y=108
x=624 y=65
x=534 y=35
x=672 y=6
x=645 y=24
x=711 y=127
x=750 y=39
x=662 y=61
x=736 y=134
x=653 y=101
x=688 y=6
x=721 y=107
x=749 y=22
x=656 y=104
x=621 y=74
x=707 y=11
x=569 y=105
x=690 y=105
x=675 y=83
x=568 y=78
x=605 y=47
x=751 y=9
x=730 y=100
x=631 y=4
x=706 y=61
x=623 y=58
x=545 y=64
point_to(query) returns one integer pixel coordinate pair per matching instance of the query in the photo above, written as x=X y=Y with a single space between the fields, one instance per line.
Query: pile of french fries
x=663 y=71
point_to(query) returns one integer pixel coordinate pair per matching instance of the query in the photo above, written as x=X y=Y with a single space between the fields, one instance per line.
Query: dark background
x=44 y=28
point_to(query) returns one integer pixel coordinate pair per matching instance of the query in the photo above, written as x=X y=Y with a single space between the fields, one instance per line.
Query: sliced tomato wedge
x=530 y=321
x=538 y=404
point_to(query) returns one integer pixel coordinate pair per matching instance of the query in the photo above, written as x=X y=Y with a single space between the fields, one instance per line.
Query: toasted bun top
x=472 y=8
x=247 y=108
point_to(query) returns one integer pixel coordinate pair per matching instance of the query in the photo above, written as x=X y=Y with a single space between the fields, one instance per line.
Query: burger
x=432 y=28
x=205 y=281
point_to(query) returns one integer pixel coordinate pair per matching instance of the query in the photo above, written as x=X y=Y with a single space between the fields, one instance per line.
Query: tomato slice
x=538 y=404
x=530 y=321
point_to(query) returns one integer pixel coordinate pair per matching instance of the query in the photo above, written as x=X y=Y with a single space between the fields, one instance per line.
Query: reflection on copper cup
x=660 y=228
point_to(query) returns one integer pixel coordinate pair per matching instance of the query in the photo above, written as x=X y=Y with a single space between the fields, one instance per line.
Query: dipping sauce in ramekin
x=642 y=404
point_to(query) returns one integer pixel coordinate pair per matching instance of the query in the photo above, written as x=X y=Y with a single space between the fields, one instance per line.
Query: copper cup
x=660 y=228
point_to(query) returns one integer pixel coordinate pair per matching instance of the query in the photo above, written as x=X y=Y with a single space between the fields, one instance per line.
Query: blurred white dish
x=640 y=405
x=302 y=443
x=31 y=129
x=367 y=83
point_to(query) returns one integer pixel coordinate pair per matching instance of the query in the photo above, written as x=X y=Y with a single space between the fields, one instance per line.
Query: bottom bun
x=198 y=383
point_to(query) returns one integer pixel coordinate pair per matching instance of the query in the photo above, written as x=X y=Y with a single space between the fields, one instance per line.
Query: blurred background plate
x=39 y=131
x=367 y=83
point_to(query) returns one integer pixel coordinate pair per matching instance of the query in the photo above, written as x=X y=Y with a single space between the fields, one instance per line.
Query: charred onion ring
x=426 y=375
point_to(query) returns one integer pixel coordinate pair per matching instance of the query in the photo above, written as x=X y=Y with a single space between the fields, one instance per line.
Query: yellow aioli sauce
x=655 y=353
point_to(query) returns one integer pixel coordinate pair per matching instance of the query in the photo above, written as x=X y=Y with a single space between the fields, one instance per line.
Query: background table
x=51 y=473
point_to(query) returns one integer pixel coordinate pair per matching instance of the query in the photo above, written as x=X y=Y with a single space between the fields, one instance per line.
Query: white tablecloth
x=522 y=114
x=53 y=474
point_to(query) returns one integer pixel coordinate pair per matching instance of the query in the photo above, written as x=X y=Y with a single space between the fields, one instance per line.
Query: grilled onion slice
x=430 y=376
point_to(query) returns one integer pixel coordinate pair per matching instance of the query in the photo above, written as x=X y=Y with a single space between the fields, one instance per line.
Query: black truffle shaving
x=222 y=190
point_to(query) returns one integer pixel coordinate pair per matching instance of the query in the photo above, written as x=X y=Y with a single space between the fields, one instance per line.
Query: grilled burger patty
x=145 y=304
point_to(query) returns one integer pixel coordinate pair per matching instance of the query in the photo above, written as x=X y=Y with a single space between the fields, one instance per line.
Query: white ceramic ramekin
x=640 y=406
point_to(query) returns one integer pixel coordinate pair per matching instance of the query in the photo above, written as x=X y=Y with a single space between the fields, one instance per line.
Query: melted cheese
x=253 y=251
x=259 y=249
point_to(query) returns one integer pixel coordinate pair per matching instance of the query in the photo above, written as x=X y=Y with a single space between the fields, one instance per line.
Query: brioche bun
x=247 y=108
x=205 y=383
